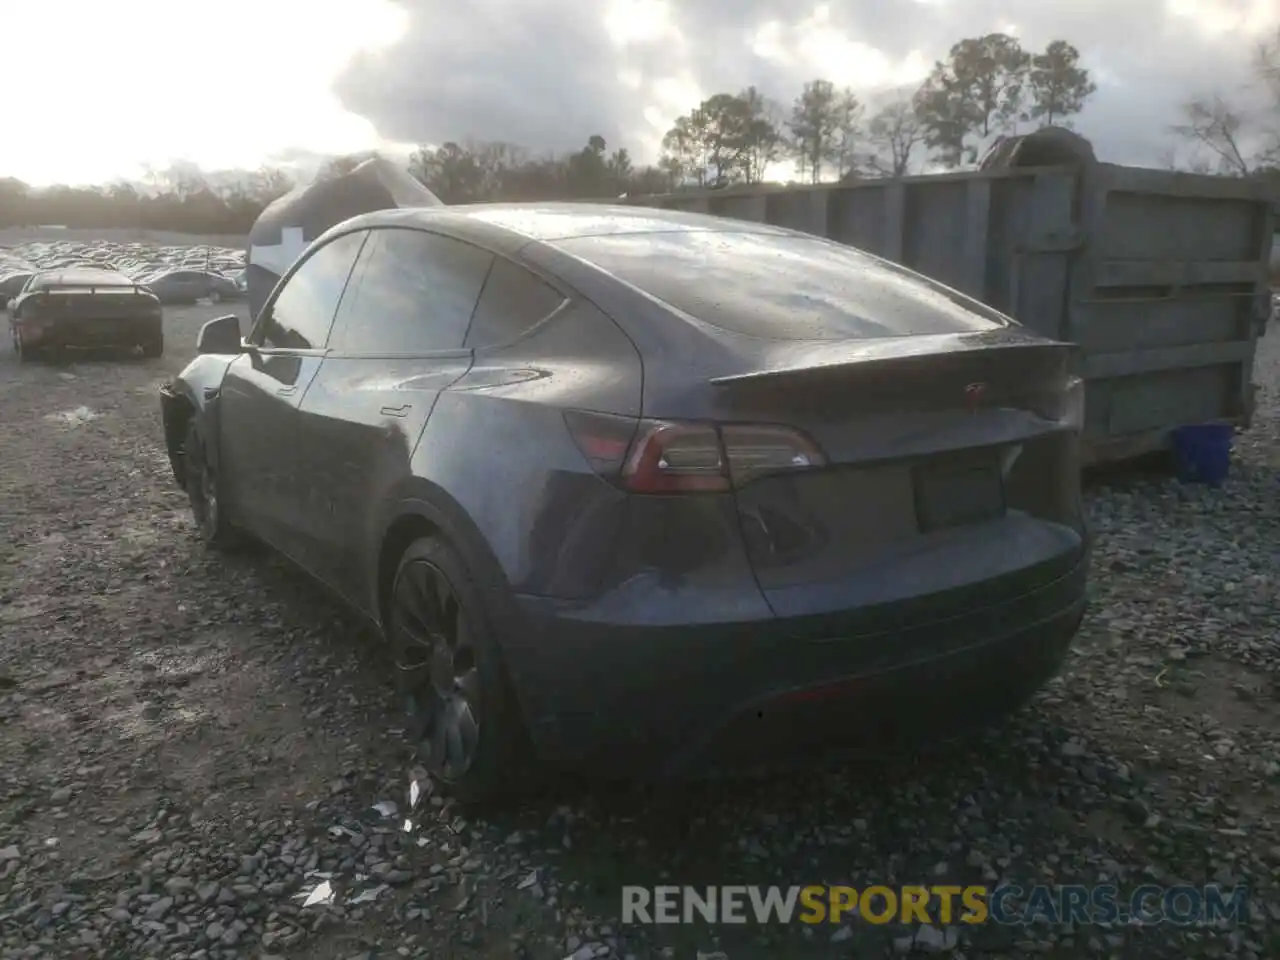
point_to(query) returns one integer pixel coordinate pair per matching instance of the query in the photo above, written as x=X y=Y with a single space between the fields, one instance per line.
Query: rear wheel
x=204 y=491
x=463 y=718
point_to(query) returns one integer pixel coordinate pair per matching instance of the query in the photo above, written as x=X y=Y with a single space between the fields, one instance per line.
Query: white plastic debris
x=386 y=808
x=73 y=418
x=928 y=939
x=415 y=794
x=529 y=880
x=368 y=896
x=322 y=894
x=407 y=826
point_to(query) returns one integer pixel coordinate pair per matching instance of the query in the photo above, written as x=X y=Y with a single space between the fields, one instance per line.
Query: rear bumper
x=90 y=332
x=628 y=701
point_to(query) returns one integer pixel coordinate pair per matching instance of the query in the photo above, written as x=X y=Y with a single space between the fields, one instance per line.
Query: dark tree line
x=186 y=203
x=986 y=85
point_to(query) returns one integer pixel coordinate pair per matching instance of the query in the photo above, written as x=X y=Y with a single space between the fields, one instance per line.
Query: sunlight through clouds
x=182 y=82
x=1221 y=17
x=630 y=22
x=825 y=51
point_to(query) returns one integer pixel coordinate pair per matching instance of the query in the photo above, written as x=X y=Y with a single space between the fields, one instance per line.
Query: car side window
x=514 y=299
x=412 y=293
x=300 y=316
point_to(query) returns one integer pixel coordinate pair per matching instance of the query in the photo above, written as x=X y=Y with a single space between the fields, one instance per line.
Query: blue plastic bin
x=1203 y=452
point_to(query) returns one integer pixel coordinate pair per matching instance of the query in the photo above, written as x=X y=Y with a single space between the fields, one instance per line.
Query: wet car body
x=724 y=492
x=85 y=308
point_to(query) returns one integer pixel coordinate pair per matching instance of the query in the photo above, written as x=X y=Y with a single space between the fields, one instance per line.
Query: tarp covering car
x=291 y=222
x=1046 y=147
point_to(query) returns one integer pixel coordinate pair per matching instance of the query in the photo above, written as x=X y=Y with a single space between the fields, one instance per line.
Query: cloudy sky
x=148 y=82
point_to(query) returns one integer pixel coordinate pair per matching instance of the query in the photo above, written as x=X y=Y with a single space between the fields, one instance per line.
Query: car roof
x=516 y=224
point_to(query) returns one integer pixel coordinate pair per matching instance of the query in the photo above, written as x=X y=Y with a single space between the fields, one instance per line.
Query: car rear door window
x=514 y=299
x=302 y=313
x=412 y=293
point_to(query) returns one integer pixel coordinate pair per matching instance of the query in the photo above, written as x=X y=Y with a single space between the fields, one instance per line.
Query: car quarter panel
x=543 y=512
x=555 y=528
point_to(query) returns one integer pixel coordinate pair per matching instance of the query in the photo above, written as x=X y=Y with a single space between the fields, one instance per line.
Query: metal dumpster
x=1160 y=278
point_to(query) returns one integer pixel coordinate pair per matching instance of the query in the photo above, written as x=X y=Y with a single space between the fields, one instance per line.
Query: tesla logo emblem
x=974 y=394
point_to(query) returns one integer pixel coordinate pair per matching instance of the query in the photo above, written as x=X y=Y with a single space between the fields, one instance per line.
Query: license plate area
x=958 y=491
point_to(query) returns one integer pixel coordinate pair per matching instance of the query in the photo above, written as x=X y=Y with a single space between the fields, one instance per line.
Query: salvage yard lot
x=187 y=743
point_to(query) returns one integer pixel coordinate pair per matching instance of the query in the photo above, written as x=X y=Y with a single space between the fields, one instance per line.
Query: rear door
x=260 y=394
x=397 y=342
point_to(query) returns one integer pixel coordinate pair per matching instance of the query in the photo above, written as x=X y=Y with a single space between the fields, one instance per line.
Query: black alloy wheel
x=204 y=492
x=436 y=664
x=462 y=717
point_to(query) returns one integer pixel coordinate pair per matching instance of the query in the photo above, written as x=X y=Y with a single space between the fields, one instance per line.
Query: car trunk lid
x=918 y=490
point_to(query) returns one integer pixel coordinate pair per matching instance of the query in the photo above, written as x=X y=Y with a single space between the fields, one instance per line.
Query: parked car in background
x=11 y=285
x=189 y=286
x=649 y=491
x=84 y=308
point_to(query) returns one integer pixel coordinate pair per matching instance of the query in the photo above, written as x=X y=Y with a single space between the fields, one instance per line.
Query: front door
x=261 y=392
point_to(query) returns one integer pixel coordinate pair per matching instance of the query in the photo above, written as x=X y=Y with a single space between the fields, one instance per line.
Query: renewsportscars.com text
x=1006 y=905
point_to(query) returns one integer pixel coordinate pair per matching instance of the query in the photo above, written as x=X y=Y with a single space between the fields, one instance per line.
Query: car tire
x=204 y=493
x=24 y=353
x=154 y=347
x=498 y=764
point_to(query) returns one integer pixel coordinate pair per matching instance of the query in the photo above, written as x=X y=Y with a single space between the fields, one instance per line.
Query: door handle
x=286 y=391
x=397 y=411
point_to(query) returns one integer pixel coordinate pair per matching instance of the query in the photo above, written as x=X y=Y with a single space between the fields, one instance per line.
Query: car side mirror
x=220 y=335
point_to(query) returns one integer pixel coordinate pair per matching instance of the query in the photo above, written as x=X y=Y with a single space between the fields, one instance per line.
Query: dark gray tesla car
x=649 y=492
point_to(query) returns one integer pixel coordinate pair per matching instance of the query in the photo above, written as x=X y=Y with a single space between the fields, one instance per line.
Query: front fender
x=192 y=393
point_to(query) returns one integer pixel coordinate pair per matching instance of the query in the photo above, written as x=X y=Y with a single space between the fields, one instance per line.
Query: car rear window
x=782 y=287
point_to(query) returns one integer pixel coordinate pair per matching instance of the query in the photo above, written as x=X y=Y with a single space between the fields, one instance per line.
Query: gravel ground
x=190 y=745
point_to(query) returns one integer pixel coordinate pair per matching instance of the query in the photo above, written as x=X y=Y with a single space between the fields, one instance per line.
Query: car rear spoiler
x=92 y=288
x=809 y=361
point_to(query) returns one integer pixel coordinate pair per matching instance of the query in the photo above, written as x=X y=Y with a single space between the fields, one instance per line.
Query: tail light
x=670 y=456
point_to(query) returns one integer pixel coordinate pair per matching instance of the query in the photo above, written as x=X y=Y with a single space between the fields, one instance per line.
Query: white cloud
x=99 y=90
x=240 y=81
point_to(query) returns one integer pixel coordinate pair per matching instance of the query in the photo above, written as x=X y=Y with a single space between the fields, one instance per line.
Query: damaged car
x=87 y=308
x=649 y=493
